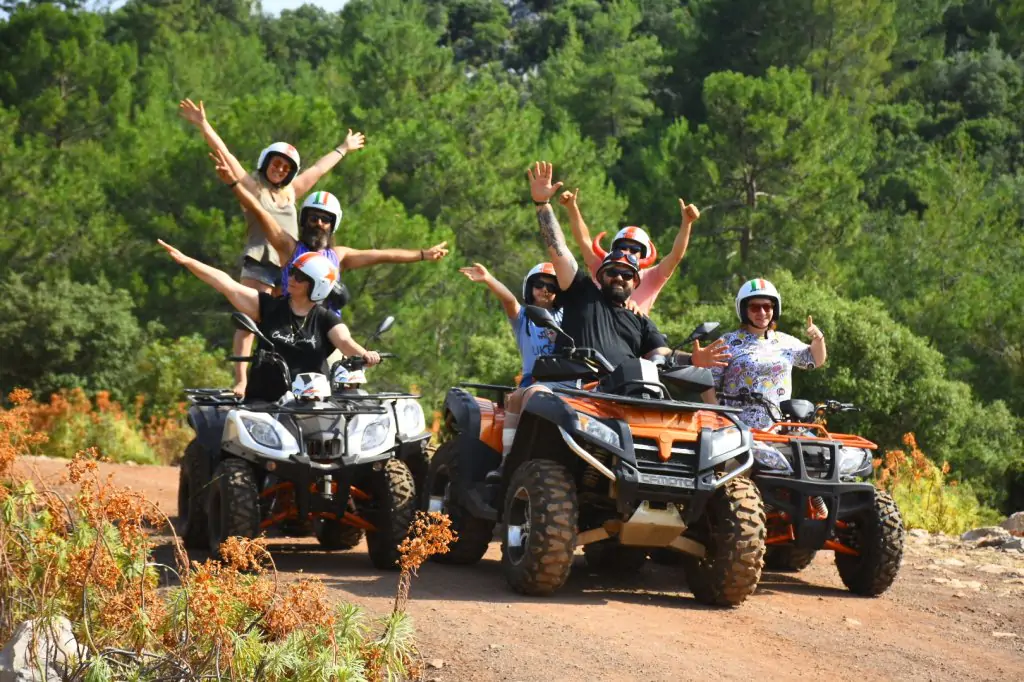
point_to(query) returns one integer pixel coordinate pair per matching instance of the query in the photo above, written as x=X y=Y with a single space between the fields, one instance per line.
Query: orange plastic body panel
x=772 y=435
x=492 y=421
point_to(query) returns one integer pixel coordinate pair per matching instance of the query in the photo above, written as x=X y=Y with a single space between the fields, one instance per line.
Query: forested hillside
x=866 y=155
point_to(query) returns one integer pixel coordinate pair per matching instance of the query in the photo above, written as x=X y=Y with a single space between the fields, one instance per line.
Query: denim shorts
x=267 y=273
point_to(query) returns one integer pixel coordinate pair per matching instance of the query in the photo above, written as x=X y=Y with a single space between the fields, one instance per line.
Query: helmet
x=322 y=201
x=649 y=254
x=311 y=386
x=320 y=271
x=758 y=288
x=539 y=269
x=281 y=149
x=626 y=258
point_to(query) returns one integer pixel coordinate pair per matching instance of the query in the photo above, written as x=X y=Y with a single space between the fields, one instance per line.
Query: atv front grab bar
x=586 y=456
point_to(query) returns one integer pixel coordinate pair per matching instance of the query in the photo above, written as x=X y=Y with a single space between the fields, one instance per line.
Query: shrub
x=164 y=368
x=926 y=497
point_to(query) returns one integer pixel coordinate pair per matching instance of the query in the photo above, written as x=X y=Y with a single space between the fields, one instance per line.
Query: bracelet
x=231 y=186
x=339 y=151
x=542 y=203
x=423 y=256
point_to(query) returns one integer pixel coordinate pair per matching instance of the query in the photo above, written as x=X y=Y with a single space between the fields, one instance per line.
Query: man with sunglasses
x=653 y=278
x=595 y=313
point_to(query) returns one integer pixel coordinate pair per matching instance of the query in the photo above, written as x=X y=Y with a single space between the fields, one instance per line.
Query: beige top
x=256 y=245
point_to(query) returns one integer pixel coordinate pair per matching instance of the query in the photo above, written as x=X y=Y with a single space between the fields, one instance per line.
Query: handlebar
x=356 y=361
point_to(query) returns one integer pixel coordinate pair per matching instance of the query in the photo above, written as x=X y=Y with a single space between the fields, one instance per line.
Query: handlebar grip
x=387 y=355
x=241 y=358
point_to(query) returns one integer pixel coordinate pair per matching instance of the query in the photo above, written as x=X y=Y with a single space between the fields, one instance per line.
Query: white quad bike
x=322 y=458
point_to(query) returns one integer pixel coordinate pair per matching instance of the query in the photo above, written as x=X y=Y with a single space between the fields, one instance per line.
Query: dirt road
x=953 y=614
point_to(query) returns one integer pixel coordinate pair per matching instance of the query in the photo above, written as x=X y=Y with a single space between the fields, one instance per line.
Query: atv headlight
x=262 y=432
x=852 y=460
x=410 y=417
x=725 y=440
x=595 y=428
x=771 y=459
x=369 y=430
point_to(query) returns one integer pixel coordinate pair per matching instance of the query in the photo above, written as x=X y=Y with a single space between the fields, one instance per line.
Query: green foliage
x=164 y=368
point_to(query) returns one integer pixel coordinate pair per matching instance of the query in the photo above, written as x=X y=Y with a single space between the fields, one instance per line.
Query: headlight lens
x=772 y=459
x=369 y=430
x=262 y=432
x=410 y=417
x=599 y=430
x=852 y=460
x=725 y=440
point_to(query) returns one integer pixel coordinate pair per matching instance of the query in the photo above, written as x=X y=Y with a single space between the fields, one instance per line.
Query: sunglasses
x=299 y=274
x=760 y=307
x=620 y=254
x=318 y=218
x=625 y=274
x=547 y=286
x=630 y=248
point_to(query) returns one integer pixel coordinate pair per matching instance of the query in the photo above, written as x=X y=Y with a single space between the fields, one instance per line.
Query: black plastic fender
x=208 y=423
x=476 y=458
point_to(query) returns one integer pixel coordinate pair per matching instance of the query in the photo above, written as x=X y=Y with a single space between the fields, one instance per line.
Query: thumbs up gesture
x=813 y=331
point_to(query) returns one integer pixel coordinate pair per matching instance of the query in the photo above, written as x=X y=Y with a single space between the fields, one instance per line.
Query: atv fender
x=208 y=423
x=538 y=436
x=476 y=458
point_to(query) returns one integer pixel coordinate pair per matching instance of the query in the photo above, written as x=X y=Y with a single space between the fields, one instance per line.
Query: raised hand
x=475 y=273
x=813 y=331
x=436 y=252
x=540 y=175
x=353 y=141
x=715 y=355
x=690 y=212
x=177 y=256
x=196 y=115
x=569 y=199
x=223 y=168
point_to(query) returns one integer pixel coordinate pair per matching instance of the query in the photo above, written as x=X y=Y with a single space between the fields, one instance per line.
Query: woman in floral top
x=763 y=359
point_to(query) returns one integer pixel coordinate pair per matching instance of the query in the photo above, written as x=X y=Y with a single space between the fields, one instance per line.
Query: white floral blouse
x=761 y=365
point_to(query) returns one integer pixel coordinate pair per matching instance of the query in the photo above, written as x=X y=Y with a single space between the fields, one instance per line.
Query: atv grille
x=325 y=449
x=682 y=463
x=817 y=459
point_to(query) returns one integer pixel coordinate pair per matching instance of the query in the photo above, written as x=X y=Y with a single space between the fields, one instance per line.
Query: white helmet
x=281 y=149
x=322 y=201
x=320 y=271
x=311 y=386
x=758 y=288
x=539 y=269
x=649 y=253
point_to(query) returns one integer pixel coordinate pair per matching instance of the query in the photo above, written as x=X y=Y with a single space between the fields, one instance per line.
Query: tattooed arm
x=542 y=190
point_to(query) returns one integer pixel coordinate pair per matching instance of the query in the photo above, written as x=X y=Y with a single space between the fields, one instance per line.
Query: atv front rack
x=651 y=404
x=772 y=435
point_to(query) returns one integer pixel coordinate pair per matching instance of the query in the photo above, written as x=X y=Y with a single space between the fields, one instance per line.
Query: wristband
x=423 y=256
x=231 y=186
x=542 y=203
x=339 y=151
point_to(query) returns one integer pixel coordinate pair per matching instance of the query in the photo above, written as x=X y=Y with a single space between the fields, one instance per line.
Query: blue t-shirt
x=533 y=341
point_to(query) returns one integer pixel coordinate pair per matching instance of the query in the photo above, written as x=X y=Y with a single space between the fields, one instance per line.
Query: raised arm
x=668 y=264
x=196 y=115
x=580 y=232
x=478 y=273
x=541 y=190
x=282 y=242
x=309 y=177
x=352 y=259
x=244 y=299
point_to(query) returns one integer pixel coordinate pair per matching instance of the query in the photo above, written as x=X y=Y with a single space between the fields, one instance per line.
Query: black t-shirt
x=301 y=341
x=613 y=331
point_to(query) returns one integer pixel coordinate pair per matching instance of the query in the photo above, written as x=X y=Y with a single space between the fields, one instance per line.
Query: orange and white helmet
x=280 y=149
x=648 y=253
x=322 y=201
x=539 y=269
x=758 y=288
x=319 y=271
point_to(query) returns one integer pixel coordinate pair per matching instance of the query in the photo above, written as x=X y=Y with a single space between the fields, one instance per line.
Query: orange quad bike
x=618 y=468
x=817 y=498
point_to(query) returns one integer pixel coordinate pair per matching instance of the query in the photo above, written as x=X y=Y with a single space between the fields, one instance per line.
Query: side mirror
x=543 y=318
x=246 y=323
x=388 y=322
x=701 y=332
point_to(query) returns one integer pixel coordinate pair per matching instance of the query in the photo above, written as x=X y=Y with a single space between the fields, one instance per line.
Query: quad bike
x=816 y=499
x=618 y=468
x=320 y=459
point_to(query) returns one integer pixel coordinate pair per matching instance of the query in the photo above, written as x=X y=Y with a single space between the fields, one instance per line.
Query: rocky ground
x=956 y=612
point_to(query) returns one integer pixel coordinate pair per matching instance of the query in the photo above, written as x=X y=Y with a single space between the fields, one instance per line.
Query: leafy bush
x=926 y=498
x=164 y=368
x=65 y=334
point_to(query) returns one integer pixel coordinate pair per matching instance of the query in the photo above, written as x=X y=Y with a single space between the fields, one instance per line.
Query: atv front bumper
x=790 y=494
